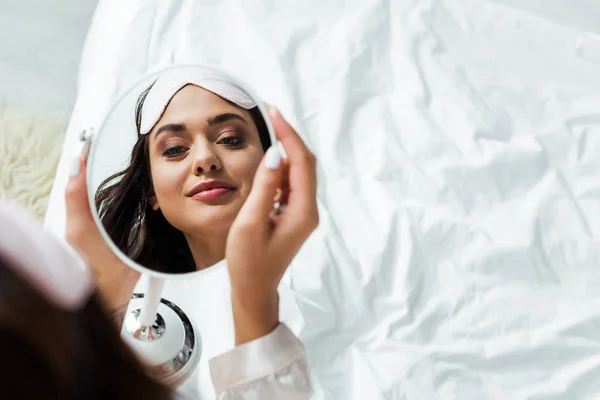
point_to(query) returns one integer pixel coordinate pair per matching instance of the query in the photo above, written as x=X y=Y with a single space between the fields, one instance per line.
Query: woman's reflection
x=191 y=171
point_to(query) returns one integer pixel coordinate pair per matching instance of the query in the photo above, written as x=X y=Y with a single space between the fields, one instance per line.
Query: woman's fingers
x=255 y=212
x=79 y=214
x=302 y=162
x=75 y=193
x=286 y=134
x=301 y=215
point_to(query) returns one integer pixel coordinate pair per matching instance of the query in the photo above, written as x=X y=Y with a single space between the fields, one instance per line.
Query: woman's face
x=204 y=152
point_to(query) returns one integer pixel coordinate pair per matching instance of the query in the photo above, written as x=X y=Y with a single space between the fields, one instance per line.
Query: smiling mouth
x=209 y=190
x=212 y=194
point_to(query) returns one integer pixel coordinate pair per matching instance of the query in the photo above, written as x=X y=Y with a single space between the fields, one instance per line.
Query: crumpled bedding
x=459 y=189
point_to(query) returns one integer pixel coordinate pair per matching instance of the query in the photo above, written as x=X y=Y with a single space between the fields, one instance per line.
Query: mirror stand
x=162 y=335
x=146 y=324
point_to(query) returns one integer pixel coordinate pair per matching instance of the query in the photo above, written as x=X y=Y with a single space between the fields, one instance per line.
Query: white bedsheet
x=458 y=145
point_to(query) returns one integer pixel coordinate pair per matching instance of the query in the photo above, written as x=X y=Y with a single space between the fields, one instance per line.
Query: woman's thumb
x=266 y=182
x=76 y=190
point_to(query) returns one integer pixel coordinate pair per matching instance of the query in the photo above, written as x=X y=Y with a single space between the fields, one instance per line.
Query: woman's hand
x=260 y=246
x=115 y=281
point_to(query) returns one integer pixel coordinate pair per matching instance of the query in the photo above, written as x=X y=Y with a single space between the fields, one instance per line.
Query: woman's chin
x=203 y=218
x=215 y=220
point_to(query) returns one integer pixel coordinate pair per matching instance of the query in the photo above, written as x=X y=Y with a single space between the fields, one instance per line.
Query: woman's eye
x=232 y=141
x=173 y=151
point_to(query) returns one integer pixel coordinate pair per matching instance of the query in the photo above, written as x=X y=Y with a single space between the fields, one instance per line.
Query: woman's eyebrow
x=218 y=119
x=170 y=127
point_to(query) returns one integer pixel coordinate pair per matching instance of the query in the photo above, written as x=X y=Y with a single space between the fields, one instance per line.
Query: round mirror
x=168 y=171
x=172 y=165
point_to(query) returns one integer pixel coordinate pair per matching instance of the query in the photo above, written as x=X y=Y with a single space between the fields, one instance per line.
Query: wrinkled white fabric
x=270 y=367
x=457 y=143
x=41 y=260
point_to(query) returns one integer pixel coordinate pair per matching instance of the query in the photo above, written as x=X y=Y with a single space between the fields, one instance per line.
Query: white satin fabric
x=47 y=265
x=271 y=367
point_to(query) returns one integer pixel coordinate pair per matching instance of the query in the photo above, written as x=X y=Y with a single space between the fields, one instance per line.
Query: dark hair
x=53 y=353
x=123 y=205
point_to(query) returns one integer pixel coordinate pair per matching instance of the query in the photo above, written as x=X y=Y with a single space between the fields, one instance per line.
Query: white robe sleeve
x=271 y=367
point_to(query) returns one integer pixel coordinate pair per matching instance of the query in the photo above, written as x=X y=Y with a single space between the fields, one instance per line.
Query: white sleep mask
x=171 y=82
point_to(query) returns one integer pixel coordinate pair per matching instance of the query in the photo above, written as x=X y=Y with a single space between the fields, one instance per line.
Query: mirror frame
x=92 y=155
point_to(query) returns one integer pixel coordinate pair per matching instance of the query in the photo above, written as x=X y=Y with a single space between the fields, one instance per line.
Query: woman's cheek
x=254 y=164
x=246 y=170
x=168 y=181
x=243 y=169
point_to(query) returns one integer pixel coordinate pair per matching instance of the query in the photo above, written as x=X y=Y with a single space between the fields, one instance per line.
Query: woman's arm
x=270 y=367
x=269 y=361
x=115 y=281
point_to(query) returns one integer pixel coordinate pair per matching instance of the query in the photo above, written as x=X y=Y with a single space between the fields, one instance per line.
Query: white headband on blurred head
x=172 y=81
x=41 y=260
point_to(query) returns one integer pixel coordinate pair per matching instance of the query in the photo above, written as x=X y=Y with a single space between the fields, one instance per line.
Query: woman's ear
x=153 y=202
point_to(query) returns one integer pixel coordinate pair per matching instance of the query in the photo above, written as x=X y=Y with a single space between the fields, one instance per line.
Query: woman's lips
x=211 y=194
x=210 y=190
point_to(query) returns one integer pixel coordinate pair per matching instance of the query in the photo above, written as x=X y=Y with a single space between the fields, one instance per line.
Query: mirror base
x=171 y=354
x=134 y=327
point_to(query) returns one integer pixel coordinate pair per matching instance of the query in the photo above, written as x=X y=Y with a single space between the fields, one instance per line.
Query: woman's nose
x=205 y=161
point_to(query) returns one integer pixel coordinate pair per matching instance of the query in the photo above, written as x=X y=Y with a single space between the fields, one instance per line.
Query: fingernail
x=272 y=158
x=274 y=112
x=86 y=138
x=281 y=150
x=86 y=148
x=74 y=167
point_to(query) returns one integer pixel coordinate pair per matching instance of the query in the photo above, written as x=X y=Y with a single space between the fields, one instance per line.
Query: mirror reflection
x=173 y=164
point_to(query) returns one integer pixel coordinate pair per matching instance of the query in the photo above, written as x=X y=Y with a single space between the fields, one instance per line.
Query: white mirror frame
x=93 y=155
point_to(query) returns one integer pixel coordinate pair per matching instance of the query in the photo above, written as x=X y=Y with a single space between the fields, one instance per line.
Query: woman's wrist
x=115 y=298
x=116 y=290
x=254 y=314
